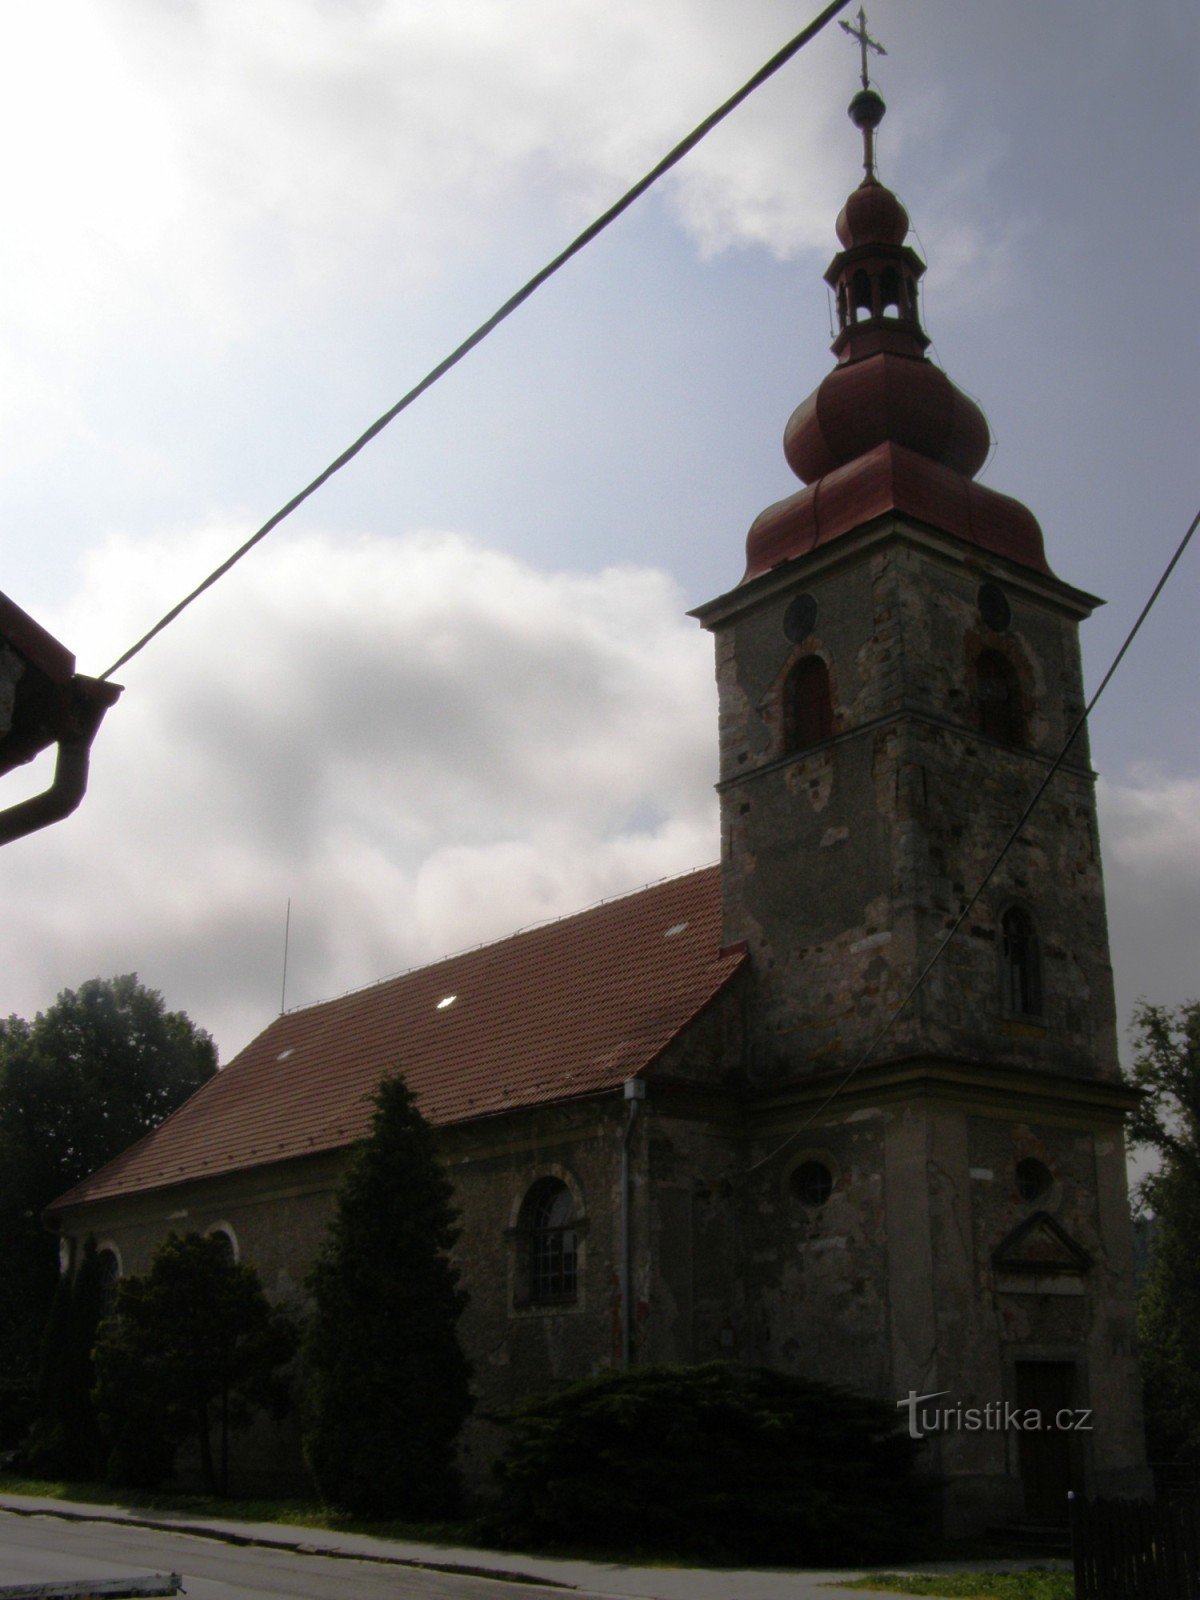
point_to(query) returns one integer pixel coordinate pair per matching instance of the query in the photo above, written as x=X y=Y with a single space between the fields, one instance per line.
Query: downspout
x=635 y=1093
x=92 y=699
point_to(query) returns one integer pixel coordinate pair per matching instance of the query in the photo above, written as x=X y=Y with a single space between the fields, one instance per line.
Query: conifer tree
x=388 y=1386
x=1166 y=1069
x=65 y=1440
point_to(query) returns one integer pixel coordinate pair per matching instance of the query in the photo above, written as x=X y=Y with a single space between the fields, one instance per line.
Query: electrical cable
x=892 y=1018
x=671 y=159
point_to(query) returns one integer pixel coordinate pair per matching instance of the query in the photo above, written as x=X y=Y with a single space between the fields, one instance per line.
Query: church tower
x=935 y=1199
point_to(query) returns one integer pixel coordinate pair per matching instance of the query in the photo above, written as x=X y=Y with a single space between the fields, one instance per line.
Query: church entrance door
x=1046 y=1454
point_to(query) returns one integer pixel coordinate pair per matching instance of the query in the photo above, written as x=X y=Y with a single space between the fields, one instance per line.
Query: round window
x=994 y=607
x=812 y=1183
x=800 y=618
x=1034 y=1178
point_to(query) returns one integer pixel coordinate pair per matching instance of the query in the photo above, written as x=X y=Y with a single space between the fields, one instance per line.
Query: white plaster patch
x=871 y=942
x=984 y=1174
x=833 y=836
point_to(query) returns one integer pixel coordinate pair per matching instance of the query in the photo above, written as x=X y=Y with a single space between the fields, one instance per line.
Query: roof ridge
x=491 y=944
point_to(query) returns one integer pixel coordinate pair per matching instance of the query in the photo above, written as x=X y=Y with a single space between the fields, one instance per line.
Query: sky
x=458 y=692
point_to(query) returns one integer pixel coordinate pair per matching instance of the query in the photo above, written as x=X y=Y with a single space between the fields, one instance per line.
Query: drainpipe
x=635 y=1093
x=91 y=699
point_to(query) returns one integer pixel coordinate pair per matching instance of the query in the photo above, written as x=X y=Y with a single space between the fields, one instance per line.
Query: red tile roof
x=558 y=1011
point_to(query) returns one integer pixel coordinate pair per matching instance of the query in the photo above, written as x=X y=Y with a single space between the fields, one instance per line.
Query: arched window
x=860 y=291
x=110 y=1276
x=224 y=1236
x=1022 y=963
x=551 y=1241
x=808 y=711
x=998 y=699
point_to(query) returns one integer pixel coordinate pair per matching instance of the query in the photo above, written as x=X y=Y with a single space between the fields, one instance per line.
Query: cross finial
x=865 y=41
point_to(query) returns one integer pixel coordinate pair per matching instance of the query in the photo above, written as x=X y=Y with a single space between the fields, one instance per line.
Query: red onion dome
x=872 y=215
x=901 y=399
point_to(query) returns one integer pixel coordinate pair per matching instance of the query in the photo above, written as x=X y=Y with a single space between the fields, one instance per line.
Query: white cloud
x=1150 y=829
x=422 y=743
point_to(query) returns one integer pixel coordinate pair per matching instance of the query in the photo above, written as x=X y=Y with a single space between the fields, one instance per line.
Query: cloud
x=422 y=743
x=1150 y=830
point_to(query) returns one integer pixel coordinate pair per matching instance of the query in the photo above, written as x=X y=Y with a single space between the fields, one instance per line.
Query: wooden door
x=1047 y=1455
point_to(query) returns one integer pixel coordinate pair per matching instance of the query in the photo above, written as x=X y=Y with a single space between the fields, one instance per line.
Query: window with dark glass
x=998 y=699
x=1034 y=1178
x=110 y=1276
x=812 y=1183
x=809 y=709
x=1022 y=963
x=552 y=1241
x=228 y=1250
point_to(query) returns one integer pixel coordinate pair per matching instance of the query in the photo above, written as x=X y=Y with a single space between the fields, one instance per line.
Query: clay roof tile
x=571 y=1008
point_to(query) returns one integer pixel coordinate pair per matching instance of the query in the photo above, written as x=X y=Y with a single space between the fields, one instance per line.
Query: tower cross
x=865 y=41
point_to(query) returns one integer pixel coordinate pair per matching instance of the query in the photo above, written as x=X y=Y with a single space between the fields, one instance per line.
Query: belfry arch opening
x=999 y=703
x=808 y=704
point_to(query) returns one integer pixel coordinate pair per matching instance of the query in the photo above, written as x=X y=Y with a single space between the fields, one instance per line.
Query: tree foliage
x=718 y=1462
x=194 y=1350
x=1167 y=1070
x=387 y=1384
x=83 y=1081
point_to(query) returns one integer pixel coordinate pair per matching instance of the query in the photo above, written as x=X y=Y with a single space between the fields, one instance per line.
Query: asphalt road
x=45 y=1549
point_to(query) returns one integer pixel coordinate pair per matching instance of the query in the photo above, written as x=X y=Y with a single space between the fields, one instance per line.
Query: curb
x=304 y=1547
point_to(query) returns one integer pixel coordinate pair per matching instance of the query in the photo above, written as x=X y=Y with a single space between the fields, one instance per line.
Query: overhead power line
x=594 y=229
x=890 y=1022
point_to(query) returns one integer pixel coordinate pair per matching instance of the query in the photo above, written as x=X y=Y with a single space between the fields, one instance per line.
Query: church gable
x=1041 y=1247
x=561 y=1011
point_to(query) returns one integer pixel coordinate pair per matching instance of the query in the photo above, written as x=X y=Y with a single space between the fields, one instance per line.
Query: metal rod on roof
x=287 y=928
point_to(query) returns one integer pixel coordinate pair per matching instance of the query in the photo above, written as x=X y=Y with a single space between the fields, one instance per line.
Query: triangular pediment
x=1040 y=1245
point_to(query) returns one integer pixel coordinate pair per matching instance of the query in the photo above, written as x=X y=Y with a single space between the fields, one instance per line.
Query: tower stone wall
x=845 y=864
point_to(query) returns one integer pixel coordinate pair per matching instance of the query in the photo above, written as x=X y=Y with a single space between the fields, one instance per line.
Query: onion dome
x=886 y=430
x=872 y=215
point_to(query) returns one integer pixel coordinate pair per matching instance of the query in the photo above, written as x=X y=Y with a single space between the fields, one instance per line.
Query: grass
x=1037 y=1584
x=298 y=1513
x=303 y=1513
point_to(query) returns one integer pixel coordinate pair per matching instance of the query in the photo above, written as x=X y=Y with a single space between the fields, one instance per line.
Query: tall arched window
x=551 y=1241
x=224 y=1237
x=860 y=294
x=808 y=710
x=110 y=1276
x=998 y=704
x=1022 y=963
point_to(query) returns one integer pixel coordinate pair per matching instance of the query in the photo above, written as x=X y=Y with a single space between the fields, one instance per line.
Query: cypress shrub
x=387 y=1387
x=65 y=1441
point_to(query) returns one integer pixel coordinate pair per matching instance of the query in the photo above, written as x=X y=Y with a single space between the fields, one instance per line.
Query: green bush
x=18 y=1407
x=194 y=1350
x=719 y=1462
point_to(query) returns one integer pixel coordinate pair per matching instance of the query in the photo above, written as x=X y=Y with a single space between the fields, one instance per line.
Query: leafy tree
x=65 y=1441
x=387 y=1382
x=1167 y=1070
x=83 y=1081
x=720 y=1462
x=195 y=1348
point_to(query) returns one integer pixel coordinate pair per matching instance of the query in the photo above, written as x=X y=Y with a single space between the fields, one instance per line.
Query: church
x=745 y=1114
